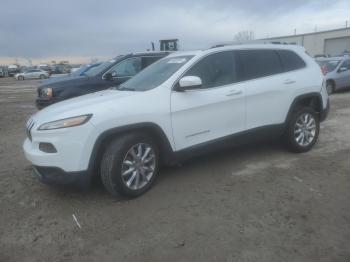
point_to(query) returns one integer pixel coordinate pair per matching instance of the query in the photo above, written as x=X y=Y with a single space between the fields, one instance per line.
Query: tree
x=244 y=36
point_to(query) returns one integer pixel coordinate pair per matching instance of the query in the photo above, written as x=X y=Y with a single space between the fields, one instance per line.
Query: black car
x=108 y=74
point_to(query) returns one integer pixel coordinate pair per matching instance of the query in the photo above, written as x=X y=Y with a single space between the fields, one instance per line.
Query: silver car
x=337 y=71
x=32 y=74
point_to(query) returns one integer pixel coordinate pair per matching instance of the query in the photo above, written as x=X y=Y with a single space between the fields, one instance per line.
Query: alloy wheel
x=138 y=166
x=305 y=129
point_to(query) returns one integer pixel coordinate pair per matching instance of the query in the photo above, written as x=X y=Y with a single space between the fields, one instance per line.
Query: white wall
x=314 y=43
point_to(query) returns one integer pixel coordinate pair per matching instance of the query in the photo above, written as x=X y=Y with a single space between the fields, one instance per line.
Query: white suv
x=184 y=104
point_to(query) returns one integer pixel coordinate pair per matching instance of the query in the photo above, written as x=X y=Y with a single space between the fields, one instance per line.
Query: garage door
x=336 y=46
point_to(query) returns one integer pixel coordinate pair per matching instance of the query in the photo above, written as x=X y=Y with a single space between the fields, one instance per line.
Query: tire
x=42 y=76
x=330 y=87
x=300 y=129
x=119 y=158
x=21 y=78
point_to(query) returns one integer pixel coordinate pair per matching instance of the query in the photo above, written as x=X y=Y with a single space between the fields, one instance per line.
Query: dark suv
x=108 y=74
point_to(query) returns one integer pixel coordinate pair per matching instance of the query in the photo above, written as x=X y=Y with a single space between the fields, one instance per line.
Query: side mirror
x=189 y=82
x=342 y=69
x=108 y=76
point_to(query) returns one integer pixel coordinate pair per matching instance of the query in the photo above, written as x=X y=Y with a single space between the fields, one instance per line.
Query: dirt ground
x=256 y=203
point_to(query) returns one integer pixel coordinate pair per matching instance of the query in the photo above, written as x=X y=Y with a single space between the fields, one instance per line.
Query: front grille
x=29 y=127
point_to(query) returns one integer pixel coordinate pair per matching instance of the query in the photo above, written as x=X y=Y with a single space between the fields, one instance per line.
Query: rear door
x=29 y=74
x=36 y=74
x=216 y=109
x=270 y=85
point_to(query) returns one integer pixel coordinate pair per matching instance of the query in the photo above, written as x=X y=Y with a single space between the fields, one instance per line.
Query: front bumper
x=73 y=147
x=57 y=176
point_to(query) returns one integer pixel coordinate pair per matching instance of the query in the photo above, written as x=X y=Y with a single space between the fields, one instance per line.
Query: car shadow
x=237 y=153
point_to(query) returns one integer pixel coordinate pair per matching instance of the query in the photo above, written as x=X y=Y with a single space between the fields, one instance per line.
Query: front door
x=216 y=109
x=343 y=77
x=125 y=70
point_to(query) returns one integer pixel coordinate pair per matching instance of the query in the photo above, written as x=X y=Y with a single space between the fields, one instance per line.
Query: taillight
x=324 y=70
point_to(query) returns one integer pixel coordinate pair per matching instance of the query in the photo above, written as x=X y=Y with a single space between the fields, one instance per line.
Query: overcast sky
x=39 y=29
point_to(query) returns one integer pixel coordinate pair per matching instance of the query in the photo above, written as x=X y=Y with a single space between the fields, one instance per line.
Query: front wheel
x=130 y=165
x=302 y=130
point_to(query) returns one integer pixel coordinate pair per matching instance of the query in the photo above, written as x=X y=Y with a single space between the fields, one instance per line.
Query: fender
x=304 y=97
x=148 y=127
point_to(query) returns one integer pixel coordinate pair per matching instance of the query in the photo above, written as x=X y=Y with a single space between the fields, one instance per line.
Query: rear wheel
x=330 y=87
x=302 y=130
x=129 y=165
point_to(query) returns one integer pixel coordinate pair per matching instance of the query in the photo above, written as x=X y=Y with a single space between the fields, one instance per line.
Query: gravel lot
x=257 y=203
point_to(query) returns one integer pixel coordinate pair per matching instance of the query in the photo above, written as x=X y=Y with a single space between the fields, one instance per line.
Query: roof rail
x=249 y=43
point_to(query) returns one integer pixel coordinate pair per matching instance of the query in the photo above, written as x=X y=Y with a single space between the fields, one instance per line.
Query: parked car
x=61 y=78
x=13 y=70
x=60 y=69
x=3 y=71
x=32 y=74
x=183 y=105
x=45 y=68
x=103 y=76
x=80 y=71
x=337 y=72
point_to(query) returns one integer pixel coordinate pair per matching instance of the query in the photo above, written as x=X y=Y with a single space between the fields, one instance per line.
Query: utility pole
x=346 y=24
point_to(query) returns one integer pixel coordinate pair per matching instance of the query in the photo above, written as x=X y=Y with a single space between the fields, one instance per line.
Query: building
x=331 y=42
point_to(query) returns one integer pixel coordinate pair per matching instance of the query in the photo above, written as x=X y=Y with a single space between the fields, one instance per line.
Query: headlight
x=67 y=122
x=46 y=92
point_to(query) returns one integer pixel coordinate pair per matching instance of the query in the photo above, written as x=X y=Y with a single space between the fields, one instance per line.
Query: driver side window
x=215 y=70
x=346 y=64
x=127 y=68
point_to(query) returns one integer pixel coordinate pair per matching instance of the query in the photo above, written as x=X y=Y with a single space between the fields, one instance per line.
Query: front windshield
x=94 y=71
x=79 y=71
x=155 y=74
x=329 y=65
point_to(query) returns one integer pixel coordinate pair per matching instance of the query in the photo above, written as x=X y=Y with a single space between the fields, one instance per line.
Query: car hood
x=87 y=104
x=62 y=81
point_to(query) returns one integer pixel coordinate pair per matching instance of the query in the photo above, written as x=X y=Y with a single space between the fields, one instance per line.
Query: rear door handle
x=234 y=92
x=289 y=82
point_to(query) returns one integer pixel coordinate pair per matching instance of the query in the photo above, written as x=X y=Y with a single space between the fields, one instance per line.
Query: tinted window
x=329 y=65
x=148 y=60
x=128 y=67
x=346 y=64
x=215 y=70
x=290 y=60
x=259 y=63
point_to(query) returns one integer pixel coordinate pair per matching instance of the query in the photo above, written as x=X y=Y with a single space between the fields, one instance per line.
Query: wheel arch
x=313 y=100
x=154 y=130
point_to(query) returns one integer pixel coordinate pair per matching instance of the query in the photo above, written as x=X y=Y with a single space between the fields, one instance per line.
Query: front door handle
x=289 y=82
x=234 y=92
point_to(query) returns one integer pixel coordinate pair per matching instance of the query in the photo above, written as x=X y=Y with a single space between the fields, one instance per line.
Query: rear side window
x=216 y=70
x=260 y=63
x=290 y=60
